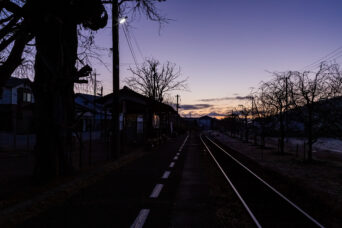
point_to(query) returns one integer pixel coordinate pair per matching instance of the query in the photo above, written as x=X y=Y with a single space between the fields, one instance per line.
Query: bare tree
x=263 y=111
x=245 y=112
x=231 y=122
x=309 y=89
x=51 y=27
x=146 y=8
x=155 y=80
x=335 y=80
x=276 y=96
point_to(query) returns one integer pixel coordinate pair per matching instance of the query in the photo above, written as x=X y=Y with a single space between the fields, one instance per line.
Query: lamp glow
x=123 y=20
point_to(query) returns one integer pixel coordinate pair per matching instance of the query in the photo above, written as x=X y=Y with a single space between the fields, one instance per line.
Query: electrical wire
x=332 y=58
x=130 y=46
x=131 y=35
x=327 y=57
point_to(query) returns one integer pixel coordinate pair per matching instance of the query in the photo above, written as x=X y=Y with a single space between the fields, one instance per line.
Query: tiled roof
x=13 y=82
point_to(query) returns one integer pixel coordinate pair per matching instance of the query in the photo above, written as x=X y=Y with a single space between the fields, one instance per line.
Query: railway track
x=266 y=206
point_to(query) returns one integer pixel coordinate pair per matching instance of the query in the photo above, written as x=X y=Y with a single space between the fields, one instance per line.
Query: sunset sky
x=225 y=47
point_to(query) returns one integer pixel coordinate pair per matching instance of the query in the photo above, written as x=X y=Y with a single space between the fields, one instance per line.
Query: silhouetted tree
x=52 y=28
x=245 y=112
x=276 y=96
x=231 y=122
x=155 y=80
x=331 y=111
x=263 y=112
x=309 y=89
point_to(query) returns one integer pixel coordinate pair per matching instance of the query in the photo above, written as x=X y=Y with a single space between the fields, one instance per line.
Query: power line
x=131 y=34
x=324 y=58
x=130 y=45
x=334 y=57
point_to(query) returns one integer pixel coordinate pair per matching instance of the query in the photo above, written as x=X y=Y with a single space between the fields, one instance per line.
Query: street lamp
x=123 y=20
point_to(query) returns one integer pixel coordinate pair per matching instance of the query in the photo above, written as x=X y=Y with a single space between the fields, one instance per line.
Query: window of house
x=24 y=95
x=140 y=124
x=27 y=97
x=155 y=121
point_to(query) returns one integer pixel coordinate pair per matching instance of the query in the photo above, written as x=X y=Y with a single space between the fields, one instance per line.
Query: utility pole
x=177 y=102
x=116 y=85
x=286 y=103
x=252 y=111
x=95 y=87
x=92 y=124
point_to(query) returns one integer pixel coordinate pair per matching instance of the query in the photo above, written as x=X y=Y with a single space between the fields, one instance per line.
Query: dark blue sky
x=225 y=46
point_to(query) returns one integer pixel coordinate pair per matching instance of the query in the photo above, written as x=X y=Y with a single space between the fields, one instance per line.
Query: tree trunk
x=246 y=129
x=56 y=45
x=309 y=132
x=282 y=132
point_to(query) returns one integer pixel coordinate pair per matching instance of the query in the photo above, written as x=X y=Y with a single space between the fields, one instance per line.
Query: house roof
x=13 y=82
x=86 y=102
x=125 y=92
x=130 y=95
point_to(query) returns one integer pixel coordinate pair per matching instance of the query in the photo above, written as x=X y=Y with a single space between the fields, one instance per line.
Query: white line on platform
x=181 y=147
x=178 y=154
x=172 y=164
x=156 y=191
x=166 y=174
x=140 y=220
x=175 y=158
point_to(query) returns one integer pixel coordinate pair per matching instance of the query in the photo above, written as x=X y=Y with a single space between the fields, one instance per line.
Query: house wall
x=14 y=95
x=134 y=128
x=6 y=97
x=10 y=95
x=13 y=117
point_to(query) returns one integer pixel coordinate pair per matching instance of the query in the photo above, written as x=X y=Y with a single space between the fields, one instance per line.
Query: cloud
x=192 y=114
x=195 y=106
x=226 y=98
x=215 y=114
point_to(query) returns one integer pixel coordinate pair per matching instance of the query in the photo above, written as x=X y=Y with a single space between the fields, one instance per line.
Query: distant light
x=123 y=20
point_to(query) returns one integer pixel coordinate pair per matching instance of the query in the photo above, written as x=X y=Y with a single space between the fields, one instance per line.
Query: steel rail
x=268 y=185
x=233 y=187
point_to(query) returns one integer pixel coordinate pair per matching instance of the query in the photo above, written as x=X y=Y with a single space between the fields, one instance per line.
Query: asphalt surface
x=192 y=203
x=165 y=188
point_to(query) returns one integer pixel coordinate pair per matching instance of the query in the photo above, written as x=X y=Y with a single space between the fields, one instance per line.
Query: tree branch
x=14 y=59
